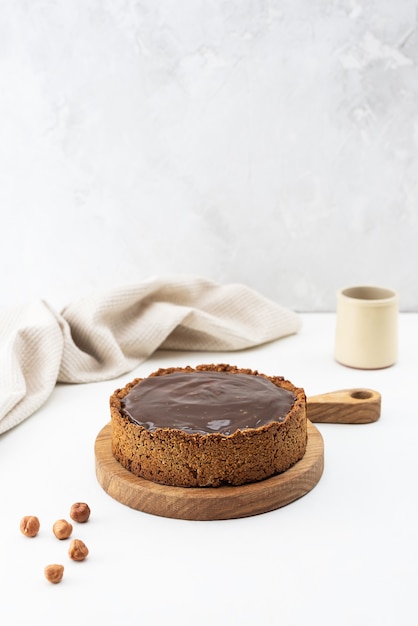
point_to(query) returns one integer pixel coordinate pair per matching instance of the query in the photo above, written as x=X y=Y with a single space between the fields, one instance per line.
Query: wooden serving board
x=209 y=503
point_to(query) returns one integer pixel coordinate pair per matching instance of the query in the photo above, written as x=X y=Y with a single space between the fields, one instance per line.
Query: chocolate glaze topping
x=206 y=402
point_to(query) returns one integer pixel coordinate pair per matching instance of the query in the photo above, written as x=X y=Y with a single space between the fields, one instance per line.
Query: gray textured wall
x=273 y=143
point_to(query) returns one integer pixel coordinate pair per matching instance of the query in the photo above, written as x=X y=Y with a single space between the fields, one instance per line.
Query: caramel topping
x=206 y=402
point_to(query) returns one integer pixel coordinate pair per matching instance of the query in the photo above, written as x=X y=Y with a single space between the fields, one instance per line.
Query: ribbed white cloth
x=105 y=335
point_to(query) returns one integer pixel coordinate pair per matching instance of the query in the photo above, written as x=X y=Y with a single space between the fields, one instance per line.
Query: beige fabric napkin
x=108 y=334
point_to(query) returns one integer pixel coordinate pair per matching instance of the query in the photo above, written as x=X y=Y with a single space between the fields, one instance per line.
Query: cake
x=208 y=426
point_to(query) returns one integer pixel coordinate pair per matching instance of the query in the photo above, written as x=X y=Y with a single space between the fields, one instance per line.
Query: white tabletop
x=346 y=553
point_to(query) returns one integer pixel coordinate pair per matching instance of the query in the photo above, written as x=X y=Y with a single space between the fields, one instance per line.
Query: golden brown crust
x=174 y=457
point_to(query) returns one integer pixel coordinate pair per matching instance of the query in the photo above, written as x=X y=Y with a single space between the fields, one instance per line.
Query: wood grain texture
x=347 y=406
x=209 y=503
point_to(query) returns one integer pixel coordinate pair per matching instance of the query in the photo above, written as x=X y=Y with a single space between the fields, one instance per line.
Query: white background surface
x=346 y=553
x=264 y=142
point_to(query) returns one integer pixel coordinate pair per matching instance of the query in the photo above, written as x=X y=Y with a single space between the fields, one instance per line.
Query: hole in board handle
x=361 y=394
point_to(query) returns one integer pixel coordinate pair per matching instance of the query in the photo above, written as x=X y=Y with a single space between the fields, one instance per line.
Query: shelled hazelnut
x=54 y=573
x=78 y=550
x=80 y=512
x=29 y=525
x=62 y=529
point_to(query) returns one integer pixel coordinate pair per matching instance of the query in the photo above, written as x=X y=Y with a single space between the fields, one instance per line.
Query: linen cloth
x=108 y=334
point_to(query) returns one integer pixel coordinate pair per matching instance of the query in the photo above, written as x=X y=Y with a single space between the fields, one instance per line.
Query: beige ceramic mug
x=366 y=334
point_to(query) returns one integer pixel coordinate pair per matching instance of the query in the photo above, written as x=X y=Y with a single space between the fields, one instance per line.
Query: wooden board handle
x=347 y=406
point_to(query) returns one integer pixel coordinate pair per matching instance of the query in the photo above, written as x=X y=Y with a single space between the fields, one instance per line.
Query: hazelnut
x=80 y=512
x=54 y=573
x=62 y=529
x=77 y=550
x=29 y=525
